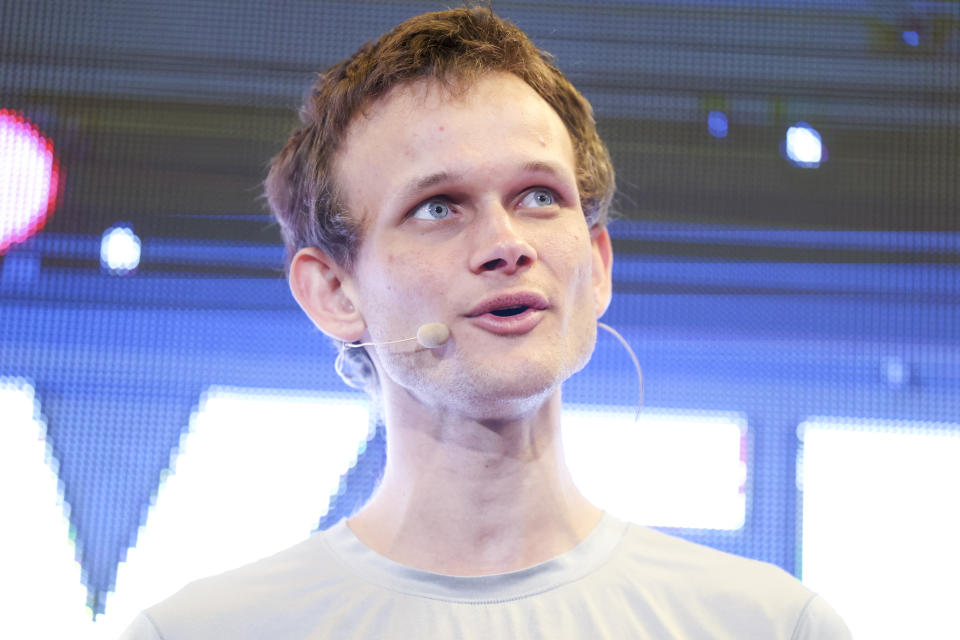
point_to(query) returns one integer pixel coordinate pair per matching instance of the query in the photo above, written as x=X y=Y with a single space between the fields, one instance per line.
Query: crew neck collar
x=585 y=558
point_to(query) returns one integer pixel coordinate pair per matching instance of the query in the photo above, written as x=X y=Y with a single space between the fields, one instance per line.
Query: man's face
x=472 y=218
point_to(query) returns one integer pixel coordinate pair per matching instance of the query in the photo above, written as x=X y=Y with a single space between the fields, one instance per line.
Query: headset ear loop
x=636 y=363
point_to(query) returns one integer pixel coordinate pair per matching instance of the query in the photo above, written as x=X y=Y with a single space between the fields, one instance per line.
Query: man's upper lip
x=507 y=300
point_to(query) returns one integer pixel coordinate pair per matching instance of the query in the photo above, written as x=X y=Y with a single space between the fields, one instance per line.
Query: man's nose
x=499 y=246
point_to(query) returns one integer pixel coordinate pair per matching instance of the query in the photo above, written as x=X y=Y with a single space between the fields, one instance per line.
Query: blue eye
x=537 y=198
x=432 y=210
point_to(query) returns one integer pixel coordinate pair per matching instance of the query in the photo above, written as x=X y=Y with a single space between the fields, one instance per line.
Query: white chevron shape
x=40 y=581
x=252 y=476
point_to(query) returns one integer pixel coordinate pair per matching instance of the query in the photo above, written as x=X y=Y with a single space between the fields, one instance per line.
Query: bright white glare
x=666 y=469
x=253 y=476
x=803 y=146
x=41 y=583
x=119 y=250
x=881 y=524
x=28 y=178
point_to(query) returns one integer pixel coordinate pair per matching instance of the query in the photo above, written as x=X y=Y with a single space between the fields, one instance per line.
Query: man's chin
x=507 y=392
x=489 y=388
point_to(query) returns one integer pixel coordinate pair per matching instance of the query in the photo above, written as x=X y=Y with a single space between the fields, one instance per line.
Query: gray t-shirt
x=622 y=581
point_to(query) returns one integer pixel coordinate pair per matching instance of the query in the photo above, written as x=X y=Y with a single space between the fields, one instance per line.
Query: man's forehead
x=423 y=93
x=408 y=101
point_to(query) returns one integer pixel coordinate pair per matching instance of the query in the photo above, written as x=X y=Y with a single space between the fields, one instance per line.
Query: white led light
x=881 y=523
x=803 y=146
x=119 y=250
x=40 y=569
x=667 y=469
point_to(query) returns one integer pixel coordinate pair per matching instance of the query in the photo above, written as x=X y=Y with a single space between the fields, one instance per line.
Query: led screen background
x=745 y=283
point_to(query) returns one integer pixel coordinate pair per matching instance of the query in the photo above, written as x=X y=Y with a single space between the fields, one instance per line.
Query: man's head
x=455 y=47
x=452 y=50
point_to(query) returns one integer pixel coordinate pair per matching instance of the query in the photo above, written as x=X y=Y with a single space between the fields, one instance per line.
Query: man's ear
x=317 y=283
x=602 y=268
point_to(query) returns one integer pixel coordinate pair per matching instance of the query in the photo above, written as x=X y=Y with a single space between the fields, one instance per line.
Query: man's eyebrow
x=539 y=166
x=421 y=184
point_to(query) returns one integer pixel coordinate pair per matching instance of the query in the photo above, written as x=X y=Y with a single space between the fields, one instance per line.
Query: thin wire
x=338 y=363
x=338 y=367
x=342 y=352
x=636 y=363
x=354 y=345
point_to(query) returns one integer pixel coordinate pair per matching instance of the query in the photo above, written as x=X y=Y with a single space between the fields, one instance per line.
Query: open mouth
x=510 y=306
x=506 y=312
x=510 y=314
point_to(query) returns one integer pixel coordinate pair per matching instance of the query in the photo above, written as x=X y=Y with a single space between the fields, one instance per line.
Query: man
x=448 y=173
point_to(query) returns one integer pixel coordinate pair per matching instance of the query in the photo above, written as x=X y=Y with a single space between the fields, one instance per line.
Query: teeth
x=509 y=311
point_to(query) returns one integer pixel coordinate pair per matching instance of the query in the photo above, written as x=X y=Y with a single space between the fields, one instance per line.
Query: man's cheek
x=418 y=290
x=433 y=290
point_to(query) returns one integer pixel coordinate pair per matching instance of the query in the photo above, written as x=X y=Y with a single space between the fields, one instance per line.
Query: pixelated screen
x=787 y=242
x=863 y=476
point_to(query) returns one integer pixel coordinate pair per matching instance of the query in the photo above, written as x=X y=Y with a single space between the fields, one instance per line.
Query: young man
x=448 y=173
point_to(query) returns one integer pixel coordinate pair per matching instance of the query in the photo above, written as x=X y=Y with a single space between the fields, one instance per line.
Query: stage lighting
x=669 y=468
x=29 y=176
x=717 y=124
x=880 y=492
x=119 y=250
x=236 y=491
x=803 y=147
x=911 y=37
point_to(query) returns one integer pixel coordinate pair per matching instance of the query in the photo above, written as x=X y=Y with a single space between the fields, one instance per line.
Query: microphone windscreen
x=433 y=334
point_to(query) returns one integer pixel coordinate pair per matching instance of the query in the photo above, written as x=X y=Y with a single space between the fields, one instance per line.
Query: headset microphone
x=430 y=335
x=636 y=363
x=433 y=334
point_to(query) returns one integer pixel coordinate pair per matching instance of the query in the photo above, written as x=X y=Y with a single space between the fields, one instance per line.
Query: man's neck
x=461 y=497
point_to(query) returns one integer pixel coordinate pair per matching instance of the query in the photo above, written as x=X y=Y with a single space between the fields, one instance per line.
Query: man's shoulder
x=703 y=586
x=287 y=567
x=670 y=557
x=648 y=581
x=253 y=595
